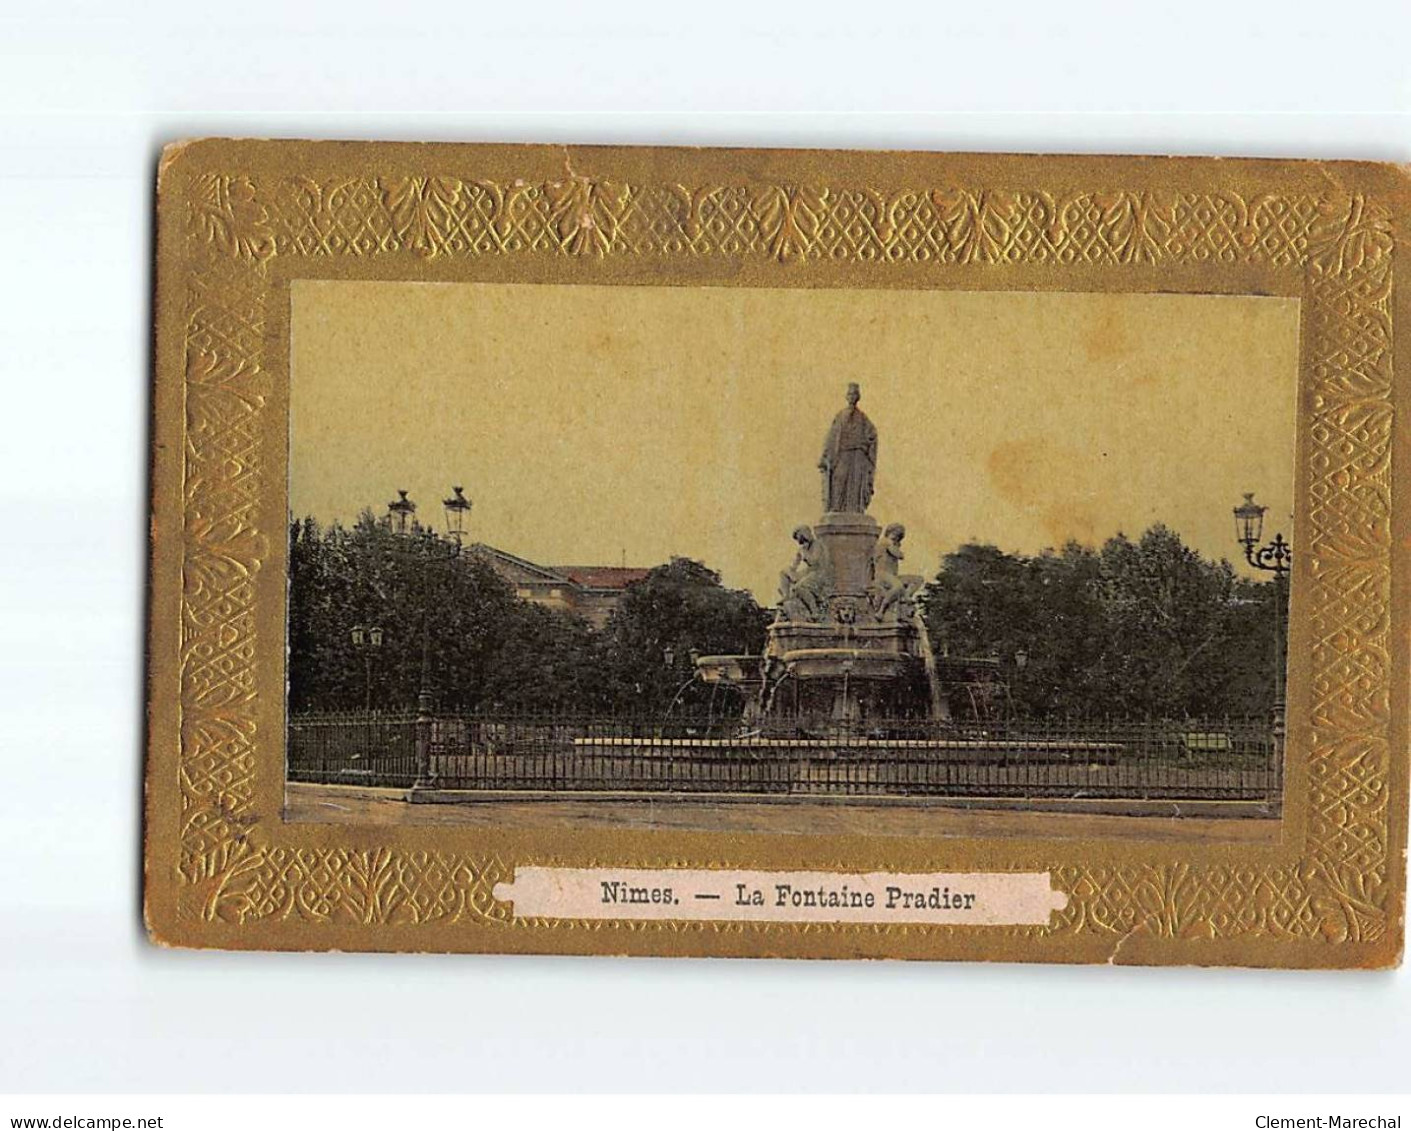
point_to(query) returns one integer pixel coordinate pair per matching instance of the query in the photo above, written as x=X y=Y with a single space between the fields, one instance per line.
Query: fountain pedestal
x=848 y=643
x=850 y=539
x=851 y=663
x=844 y=672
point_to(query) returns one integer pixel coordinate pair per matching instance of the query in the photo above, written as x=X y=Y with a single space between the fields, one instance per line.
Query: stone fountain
x=848 y=643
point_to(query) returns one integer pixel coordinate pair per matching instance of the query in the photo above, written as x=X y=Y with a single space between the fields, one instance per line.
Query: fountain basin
x=740 y=670
x=788 y=637
x=852 y=663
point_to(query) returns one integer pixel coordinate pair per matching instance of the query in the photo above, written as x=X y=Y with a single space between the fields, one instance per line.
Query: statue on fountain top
x=804 y=588
x=849 y=460
x=892 y=594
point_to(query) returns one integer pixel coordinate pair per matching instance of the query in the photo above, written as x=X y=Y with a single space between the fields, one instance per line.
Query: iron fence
x=1226 y=759
x=353 y=748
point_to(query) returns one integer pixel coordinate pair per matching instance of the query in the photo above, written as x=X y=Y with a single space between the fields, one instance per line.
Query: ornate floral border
x=1335 y=246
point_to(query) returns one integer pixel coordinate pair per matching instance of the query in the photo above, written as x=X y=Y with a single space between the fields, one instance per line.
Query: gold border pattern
x=1336 y=247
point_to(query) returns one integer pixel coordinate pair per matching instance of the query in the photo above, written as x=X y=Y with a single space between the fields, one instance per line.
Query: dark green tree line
x=1132 y=629
x=483 y=642
x=1137 y=628
x=489 y=650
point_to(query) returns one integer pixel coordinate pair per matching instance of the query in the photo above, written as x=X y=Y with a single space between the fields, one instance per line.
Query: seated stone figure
x=804 y=588
x=892 y=594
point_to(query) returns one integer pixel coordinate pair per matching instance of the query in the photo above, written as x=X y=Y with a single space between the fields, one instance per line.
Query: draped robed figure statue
x=849 y=460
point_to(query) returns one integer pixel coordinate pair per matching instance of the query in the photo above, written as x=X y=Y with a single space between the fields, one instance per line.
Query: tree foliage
x=676 y=610
x=1135 y=628
x=489 y=650
x=482 y=643
x=1144 y=628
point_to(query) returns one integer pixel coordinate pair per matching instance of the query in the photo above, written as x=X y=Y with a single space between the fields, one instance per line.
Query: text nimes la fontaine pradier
x=788 y=895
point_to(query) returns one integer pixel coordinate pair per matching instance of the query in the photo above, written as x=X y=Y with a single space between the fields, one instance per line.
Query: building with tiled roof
x=590 y=591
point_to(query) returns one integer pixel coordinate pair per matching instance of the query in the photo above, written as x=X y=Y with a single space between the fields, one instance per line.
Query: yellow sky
x=592 y=425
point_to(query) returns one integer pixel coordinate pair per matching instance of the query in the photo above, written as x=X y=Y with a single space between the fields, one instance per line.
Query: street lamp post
x=431 y=550
x=1271 y=557
x=367 y=640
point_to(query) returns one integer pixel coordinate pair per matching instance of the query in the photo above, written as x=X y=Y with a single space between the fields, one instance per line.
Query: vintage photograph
x=789 y=559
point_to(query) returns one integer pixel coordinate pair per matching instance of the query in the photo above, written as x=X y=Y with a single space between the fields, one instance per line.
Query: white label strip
x=986 y=899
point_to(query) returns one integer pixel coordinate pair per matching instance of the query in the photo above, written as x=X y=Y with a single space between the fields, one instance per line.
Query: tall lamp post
x=1271 y=557
x=367 y=640
x=431 y=550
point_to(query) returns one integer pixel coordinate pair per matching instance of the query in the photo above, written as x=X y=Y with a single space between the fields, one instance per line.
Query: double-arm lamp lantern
x=457 y=511
x=367 y=639
x=1273 y=557
x=401 y=513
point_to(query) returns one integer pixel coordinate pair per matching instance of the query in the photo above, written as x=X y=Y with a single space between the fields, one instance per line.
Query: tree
x=1032 y=614
x=548 y=662
x=1138 y=628
x=487 y=648
x=677 y=609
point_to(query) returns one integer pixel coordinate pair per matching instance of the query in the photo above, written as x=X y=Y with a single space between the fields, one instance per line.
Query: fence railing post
x=425 y=775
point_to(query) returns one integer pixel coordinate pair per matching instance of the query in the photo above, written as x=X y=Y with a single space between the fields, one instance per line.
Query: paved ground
x=1205 y=821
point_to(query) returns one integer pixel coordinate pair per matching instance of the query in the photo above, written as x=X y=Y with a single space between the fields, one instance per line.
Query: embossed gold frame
x=239 y=220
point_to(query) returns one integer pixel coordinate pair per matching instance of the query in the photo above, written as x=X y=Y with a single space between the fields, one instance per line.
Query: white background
x=89 y=92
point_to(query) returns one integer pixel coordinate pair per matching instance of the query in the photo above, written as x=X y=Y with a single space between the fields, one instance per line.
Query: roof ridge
x=550 y=572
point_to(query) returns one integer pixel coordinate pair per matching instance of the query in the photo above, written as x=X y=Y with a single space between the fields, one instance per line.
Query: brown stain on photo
x=1036 y=474
x=1070 y=520
x=1106 y=335
x=1012 y=466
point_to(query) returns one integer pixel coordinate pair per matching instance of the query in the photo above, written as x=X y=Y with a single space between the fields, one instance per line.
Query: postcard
x=778 y=553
